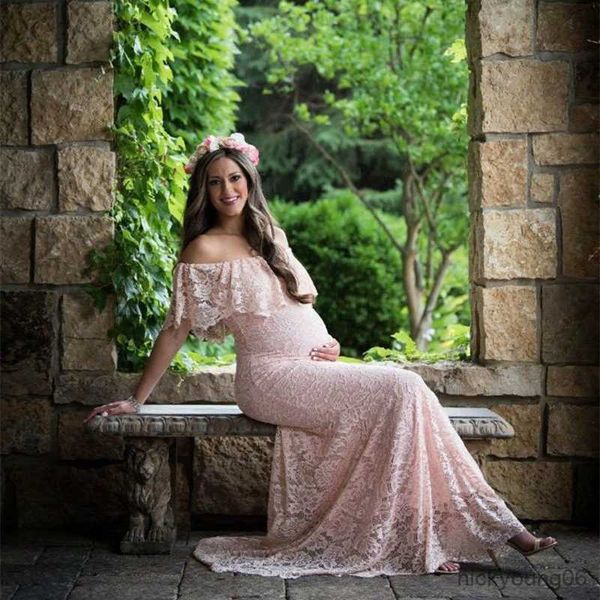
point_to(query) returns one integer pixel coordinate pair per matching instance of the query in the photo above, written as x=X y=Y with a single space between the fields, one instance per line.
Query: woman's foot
x=449 y=567
x=526 y=541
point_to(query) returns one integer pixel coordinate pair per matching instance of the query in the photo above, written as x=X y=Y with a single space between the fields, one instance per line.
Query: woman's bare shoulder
x=203 y=249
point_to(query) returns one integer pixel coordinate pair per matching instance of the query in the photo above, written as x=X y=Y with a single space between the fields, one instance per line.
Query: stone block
x=469 y=379
x=572 y=430
x=508 y=244
x=57 y=495
x=81 y=319
x=28 y=32
x=527 y=421
x=63 y=244
x=71 y=104
x=26 y=425
x=15 y=245
x=570 y=323
x=478 y=449
x=76 y=441
x=536 y=490
x=583 y=118
x=573 y=381
x=88 y=355
x=567 y=27
x=507 y=323
x=90 y=31
x=565 y=148
x=521 y=95
x=93 y=389
x=13 y=107
x=231 y=475
x=210 y=384
x=542 y=187
x=27 y=179
x=86 y=177
x=29 y=329
x=578 y=205
x=586 y=82
x=505 y=27
x=503 y=168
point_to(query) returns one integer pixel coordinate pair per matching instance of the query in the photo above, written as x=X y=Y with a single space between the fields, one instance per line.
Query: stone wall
x=56 y=185
x=534 y=248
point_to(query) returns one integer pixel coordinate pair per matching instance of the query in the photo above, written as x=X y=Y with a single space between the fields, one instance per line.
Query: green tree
x=396 y=79
x=353 y=265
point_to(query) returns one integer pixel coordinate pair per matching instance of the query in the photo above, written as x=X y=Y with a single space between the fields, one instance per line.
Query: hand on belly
x=328 y=351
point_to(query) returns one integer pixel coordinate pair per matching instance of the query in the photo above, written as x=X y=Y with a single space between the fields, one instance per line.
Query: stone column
x=533 y=182
x=56 y=185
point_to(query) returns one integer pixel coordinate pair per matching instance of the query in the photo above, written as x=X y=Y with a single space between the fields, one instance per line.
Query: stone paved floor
x=48 y=565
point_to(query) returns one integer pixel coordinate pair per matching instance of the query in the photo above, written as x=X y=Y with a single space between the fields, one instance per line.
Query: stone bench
x=148 y=436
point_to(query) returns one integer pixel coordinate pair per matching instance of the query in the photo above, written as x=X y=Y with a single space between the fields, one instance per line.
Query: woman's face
x=227 y=187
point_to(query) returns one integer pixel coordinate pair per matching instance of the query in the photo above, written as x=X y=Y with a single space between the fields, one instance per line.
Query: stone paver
x=315 y=587
x=198 y=585
x=50 y=565
x=42 y=591
x=124 y=588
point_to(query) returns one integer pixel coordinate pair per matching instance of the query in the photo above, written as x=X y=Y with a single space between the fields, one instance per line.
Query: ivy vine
x=151 y=185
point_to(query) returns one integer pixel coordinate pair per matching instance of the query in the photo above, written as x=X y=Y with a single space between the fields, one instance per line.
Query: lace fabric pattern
x=368 y=476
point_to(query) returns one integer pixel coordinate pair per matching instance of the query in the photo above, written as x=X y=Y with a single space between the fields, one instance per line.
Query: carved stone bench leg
x=151 y=523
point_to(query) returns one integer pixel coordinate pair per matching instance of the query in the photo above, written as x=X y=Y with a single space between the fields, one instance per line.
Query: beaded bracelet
x=135 y=402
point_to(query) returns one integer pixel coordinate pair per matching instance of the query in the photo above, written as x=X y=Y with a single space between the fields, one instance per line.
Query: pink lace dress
x=368 y=475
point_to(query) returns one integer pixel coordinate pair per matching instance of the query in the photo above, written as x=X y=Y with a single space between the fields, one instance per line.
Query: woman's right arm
x=165 y=347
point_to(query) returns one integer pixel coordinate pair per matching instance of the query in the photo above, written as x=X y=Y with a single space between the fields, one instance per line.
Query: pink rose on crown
x=238 y=142
x=212 y=143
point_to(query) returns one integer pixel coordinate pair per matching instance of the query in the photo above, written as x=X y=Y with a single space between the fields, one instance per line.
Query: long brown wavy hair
x=200 y=216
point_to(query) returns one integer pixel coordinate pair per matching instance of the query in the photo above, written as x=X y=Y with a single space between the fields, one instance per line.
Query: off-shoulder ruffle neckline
x=209 y=293
x=288 y=249
x=220 y=262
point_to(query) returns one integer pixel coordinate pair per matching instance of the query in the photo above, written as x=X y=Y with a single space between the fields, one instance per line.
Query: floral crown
x=212 y=143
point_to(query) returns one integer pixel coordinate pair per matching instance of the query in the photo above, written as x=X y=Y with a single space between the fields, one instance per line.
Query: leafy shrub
x=354 y=266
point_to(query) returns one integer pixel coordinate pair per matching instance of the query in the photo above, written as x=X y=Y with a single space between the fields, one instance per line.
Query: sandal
x=537 y=547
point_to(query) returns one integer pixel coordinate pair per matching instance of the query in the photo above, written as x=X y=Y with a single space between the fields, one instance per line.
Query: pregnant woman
x=368 y=475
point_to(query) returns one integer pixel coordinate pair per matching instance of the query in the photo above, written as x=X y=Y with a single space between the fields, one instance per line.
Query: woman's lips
x=230 y=201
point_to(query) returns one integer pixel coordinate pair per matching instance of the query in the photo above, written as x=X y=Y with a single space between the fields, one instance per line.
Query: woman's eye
x=236 y=177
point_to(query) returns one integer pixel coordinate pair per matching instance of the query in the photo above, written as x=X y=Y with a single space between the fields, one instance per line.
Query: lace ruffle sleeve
x=207 y=294
x=305 y=283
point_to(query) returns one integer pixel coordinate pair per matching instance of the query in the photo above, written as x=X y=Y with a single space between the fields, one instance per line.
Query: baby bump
x=290 y=332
